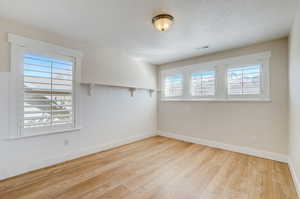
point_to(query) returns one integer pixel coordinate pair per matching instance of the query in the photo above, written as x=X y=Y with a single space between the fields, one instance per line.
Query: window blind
x=203 y=84
x=244 y=80
x=173 y=86
x=48 y=92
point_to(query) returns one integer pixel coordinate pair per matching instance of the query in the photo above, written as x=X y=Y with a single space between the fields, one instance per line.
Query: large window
x=238 y=78
x=44 y=88
x=48 y=92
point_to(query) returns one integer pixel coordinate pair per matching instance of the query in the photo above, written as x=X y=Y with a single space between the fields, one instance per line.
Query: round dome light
x=162 y=22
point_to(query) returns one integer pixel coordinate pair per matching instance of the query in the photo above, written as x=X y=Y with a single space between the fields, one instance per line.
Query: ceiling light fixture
x=162 y=22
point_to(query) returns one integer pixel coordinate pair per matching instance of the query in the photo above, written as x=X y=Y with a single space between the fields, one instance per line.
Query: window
x=173 y=86
x=203 y=84
x=244 y=80
x=44 y=88
x=48 y=92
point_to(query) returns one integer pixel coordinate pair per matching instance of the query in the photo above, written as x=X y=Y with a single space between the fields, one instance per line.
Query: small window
x=243 y=81
x=173 y=86
x=203 y=84
x=48 y=92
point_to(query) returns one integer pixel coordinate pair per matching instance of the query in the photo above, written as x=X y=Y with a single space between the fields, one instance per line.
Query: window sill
x=218 y=100
x=45 y=133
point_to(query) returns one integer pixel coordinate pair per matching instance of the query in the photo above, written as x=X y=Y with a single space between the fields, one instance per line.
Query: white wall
x=110 y=116
x=256 y=125
x=129 y=72
x=294 y=74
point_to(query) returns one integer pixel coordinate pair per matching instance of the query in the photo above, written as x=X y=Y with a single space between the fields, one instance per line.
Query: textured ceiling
x=126 y=24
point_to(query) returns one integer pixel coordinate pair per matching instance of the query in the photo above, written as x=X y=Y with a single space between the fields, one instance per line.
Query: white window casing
x=221 y=70
x=44 y=88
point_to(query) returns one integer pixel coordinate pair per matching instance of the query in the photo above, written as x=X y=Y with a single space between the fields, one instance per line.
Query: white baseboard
x=229 y=147
x=295 y=177
x=14 y=171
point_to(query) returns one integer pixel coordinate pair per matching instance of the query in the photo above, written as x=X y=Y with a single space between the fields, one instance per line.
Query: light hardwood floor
x=159 y=168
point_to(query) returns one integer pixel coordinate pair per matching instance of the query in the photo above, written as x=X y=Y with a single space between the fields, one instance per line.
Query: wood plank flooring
x=159 y=168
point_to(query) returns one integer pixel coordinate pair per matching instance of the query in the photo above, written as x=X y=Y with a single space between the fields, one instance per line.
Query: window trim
x=221 y=67
x=20 y=45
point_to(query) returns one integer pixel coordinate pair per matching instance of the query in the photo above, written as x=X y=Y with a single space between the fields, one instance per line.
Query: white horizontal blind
x=203 y=84
x=48 y=92
x=244 y=80
x=173 y=86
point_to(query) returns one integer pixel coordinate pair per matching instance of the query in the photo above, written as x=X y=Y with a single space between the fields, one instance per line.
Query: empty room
x=150 y=99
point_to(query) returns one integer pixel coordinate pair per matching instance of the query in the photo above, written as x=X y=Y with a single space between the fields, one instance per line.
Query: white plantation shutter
x=203 y=84
x=173 y=86
x=48 y=92
x=244 y=80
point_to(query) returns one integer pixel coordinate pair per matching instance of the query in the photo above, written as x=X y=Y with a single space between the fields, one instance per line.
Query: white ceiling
x=126 y=24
